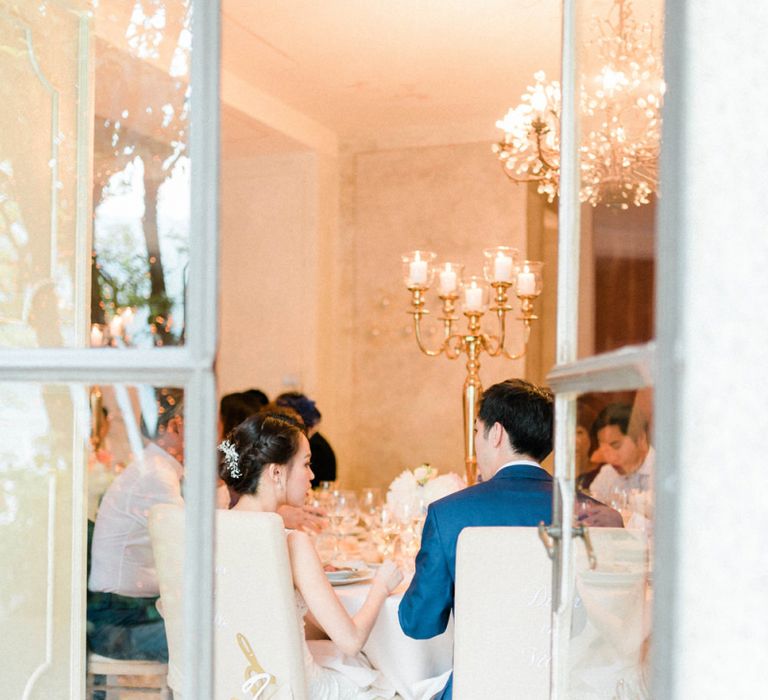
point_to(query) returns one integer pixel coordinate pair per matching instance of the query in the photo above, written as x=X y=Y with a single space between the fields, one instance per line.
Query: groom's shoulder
x=462 y=498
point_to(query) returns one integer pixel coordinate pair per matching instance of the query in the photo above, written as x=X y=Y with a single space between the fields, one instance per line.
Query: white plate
x=342 y=574
x=357 y=577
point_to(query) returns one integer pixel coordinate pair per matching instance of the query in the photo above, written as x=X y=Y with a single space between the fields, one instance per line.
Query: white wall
x=269 y=273
x=711 y=575
x=311 y=291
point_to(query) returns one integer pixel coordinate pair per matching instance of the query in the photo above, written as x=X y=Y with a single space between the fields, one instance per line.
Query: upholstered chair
x=257 y=634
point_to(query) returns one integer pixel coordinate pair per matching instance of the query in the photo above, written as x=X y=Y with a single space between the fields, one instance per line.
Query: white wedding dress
x=332 y=676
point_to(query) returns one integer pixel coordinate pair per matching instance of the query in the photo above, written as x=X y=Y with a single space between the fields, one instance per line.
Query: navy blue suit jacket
x=518 y=495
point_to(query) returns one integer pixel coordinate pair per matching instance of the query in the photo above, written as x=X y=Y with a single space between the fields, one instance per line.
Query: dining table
x=418 y=668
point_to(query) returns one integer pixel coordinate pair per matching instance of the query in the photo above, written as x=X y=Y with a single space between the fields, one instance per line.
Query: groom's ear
x=497 y=434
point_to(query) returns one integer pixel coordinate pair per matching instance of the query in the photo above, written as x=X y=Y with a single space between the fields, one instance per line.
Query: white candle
x=127 y=316
x=116 y=327
x=97 y=336
x=526 y=283
x=473 y=299
x=448 y=282
x=417 y=271
x=502 y=268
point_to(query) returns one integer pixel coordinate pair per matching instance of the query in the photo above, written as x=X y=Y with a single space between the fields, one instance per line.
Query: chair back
x=257 y=637
x=502 y=610
x=166 y=531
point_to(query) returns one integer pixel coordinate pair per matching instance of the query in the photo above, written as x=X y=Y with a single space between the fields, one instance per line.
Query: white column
x=711 y=572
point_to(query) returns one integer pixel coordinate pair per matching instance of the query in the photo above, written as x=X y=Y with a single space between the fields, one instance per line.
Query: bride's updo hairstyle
x=268 y=437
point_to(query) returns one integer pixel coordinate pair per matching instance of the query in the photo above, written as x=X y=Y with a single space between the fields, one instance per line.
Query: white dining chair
x=503 y=606
x=125 y=678
x=257 y=638
x=502 y=615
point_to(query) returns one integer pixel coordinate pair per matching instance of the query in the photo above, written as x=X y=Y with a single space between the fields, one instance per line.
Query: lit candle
x=473 y=299
x=448 y=282
x=539 y=101
x=526 y=284
x=417 y=271
x=127 y=316
x=116 y=327
x=502 y=268
x=97 y=336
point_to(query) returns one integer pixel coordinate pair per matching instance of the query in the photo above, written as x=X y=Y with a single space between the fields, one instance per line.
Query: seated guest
x=123 y=622
x=513 y=435
x=233 y=410
x=256 y=397
x=586 y=444
x=266 y=460
x=323 y=456
x=623 y=442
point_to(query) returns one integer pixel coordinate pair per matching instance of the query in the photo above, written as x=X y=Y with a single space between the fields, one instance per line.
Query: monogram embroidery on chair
x=256 y=678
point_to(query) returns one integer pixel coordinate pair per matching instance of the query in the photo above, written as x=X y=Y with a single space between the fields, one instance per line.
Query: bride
x=266 y=459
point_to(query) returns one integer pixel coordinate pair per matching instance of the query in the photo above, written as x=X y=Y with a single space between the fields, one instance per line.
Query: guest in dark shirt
x=323 y=457
x=586 y=445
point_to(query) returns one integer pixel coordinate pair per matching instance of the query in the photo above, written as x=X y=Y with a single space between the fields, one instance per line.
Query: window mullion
x=202 y=340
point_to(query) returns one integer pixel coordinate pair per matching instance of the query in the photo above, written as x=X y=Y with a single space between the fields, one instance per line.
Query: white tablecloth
x=418 y=668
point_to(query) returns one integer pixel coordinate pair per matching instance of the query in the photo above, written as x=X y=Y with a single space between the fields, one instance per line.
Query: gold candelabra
x=503 y=272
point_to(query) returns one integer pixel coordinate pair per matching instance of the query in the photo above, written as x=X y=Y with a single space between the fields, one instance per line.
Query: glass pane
x=619 y=66
x=81 y=455
x=611 y=627
x=95 y=197
x=42 y=289
x=141 y=171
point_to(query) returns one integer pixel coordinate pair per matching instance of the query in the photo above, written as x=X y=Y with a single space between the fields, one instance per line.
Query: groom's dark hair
x=526 y=413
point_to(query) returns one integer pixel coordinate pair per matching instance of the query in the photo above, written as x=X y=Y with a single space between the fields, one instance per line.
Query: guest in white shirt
x=627 y=477
x=123 y=621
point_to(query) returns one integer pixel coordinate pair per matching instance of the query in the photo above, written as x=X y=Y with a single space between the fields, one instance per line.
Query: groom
x=513 y=434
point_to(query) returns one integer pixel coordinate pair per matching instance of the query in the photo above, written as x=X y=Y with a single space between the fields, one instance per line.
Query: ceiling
x=386 y=71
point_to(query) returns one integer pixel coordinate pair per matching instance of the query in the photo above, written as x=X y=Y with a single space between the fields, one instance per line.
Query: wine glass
x=344 y=516
x=411 y=516
x=386 y=531
x=370 y=501
x=324 y=492
x=619 y=500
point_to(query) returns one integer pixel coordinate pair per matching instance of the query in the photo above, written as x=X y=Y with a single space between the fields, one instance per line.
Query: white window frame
x=190 y=366
x=626 y=368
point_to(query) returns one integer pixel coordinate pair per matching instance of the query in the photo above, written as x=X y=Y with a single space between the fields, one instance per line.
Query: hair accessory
x=231 y=458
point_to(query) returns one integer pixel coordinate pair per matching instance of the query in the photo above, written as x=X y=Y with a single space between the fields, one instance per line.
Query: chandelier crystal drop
x=619 y=113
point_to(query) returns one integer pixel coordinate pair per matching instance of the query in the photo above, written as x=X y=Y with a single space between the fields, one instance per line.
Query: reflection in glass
x=82 y=461
x=621 y=134
x=39 y=175
x=615 y=464
x=141 y=174
x=134 y=203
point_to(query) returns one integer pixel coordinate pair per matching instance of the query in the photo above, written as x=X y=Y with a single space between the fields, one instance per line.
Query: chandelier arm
x=420 y=340
x=526 y=337
x=452 y=353
x=540 y=153
x=491 y=344
x=516 y=178
x=494 y=344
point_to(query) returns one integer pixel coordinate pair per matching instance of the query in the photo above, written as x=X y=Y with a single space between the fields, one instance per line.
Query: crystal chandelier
x=619 y=114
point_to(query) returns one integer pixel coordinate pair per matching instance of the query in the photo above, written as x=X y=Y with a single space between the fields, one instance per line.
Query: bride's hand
x=388 y=576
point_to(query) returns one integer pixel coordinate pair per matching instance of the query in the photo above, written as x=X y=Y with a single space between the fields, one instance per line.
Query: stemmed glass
x=411 y=516
x=386 y=531
x=619 y=500
x=324 y=492
x=344 y=515
x=370 y=502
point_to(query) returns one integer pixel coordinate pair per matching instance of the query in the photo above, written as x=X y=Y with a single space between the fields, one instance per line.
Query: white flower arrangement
x=422 y=486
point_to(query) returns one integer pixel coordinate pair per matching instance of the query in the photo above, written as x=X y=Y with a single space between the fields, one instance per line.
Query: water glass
x=344 y=516
x=386 y=531
x=370 y=502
